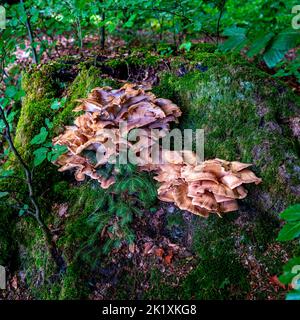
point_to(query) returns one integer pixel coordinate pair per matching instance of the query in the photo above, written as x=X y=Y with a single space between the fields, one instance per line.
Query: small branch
x=30 y=35
x=102 y=32
x=219 y=20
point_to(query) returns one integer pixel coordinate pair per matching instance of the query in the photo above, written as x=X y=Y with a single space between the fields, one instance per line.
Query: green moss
x=40 y=91
x=133 y=65
x=263 y=231
x=160 y=288
x=84 y=201
x=86 y=80
x=204 y=47
x=36 y=263
x=219 y=273
x=73 y=284
x=239 y=108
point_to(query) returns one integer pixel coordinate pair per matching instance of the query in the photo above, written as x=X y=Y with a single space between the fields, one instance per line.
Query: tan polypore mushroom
x=211 y=186
x=106 y=108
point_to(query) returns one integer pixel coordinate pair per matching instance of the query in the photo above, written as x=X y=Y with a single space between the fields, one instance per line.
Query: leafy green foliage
x=41 y=137
x=237 y=38
x=186 y=46
x=273 y=46
x=56 y=105
x=46 y=149
x=262 y=29
x=290 y=231
x=291 y=275
x=3 y=194
x=290 y=68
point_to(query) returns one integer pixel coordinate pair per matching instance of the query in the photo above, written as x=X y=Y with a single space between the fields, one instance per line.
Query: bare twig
x=219 y=19
x=30 y=35
x=102 y=29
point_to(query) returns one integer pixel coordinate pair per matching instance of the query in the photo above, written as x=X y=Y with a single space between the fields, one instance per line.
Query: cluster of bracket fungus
x=211 y=186
x=104 y=109
x=198 y=187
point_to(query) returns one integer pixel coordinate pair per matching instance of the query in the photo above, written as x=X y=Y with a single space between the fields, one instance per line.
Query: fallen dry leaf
x=169 y=257
x=14 y=282
x=159 y=252
x=275 y=281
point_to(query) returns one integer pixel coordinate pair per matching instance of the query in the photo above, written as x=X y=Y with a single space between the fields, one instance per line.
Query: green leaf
x=292 y=213
x=6 y=173
x=288 y=269
x=11 y=91
x=39 y=156
x=41 y=137
x=55 y=105
x=23 y=210
x=259 y=44
x=2 y=125
x=272 y=57
x=57 y=151
x=283 y=42
x=3 y=194
x=10 y=118
x=289 y=231
x=186 y=46
x=130 y=22
x=236 y=38
x=48 y=123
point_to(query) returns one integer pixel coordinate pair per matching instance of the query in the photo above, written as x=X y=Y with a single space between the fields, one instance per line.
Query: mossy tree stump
x=247 y=116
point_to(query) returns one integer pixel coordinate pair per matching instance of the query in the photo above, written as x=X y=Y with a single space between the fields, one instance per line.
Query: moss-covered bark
x=247 y=116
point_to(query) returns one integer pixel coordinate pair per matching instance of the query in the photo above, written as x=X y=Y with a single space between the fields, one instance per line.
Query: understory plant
x=27 y=203
x=291 y=231
x=123 y=202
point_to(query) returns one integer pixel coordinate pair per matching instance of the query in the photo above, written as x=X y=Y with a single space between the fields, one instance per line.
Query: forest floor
x=67 y=47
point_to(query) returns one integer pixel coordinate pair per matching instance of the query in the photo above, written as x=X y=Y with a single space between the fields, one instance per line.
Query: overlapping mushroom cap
x=211 y=186
x=109 y=115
